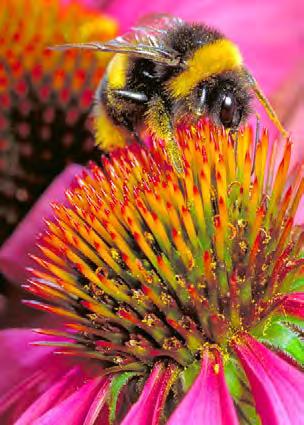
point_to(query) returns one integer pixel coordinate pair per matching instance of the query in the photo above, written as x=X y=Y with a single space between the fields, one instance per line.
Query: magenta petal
x=147 y=409
x=73 y=409
x=61 y=389
x=208 y=401
x=98 y=412
x=14 y=252
x=293 y=304
x=17 y=357
x=277 y=386
x=20 y=397
x=26 y=372
x=35 y=383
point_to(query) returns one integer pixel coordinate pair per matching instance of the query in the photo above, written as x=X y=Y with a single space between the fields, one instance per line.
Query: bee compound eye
x=228 y=111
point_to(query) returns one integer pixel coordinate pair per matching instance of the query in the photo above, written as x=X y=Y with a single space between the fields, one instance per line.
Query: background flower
x=45 y=96
x=45 y=99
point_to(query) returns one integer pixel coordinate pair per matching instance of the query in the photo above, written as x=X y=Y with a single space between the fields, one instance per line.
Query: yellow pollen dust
x=216 y=368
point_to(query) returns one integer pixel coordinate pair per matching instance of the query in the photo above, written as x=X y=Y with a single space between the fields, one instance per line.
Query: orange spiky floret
x=45 y=97
x=172 y=263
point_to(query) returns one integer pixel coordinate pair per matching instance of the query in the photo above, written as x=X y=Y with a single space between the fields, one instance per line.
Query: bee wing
x=157 y=22
x=143 y=41
x=151 y=28
x=120 y=45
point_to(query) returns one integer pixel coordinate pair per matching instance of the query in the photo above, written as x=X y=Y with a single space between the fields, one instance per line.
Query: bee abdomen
x=108 y=135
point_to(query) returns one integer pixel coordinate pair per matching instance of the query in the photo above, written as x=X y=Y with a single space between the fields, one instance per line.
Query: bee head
x=225 y=98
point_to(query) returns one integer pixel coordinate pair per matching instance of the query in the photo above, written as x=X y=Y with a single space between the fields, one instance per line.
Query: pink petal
x=98 y=412
x=147 y=409
x=208 y=401
x=27 y=371
x=14 y=252
x=293 y=304
x=73 y=409
x=61 y=389
x=20 y=397
x=34 y=381
x=277 y=386
x=17 y=357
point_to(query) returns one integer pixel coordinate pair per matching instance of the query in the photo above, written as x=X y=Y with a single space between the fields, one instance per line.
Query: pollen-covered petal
x=293 y=304
x=14 y=252
x=147 y=409
x=208 y=400
x=276 y=385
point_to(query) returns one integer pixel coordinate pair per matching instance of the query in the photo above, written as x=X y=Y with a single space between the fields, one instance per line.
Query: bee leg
x=131 y=97
x=159 y=122
x=135 y=96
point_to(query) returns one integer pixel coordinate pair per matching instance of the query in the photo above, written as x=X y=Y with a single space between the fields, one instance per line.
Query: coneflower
x=184 y=291
x=45 y=97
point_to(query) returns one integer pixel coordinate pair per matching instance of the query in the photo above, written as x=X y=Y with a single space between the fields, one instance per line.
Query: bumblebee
x=165 y=70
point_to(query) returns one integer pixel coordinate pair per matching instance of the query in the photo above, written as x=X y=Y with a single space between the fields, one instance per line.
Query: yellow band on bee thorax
x=210 y=59
x=117 y=71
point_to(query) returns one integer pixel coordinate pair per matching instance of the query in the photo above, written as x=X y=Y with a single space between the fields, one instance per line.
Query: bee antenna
x=265 y=102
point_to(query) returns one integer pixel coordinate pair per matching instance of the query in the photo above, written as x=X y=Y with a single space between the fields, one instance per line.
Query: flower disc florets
x=148 y=266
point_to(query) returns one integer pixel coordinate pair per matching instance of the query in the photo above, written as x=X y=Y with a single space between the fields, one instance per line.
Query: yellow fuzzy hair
x=117 y=71
x=208 y=60
x=108 y=136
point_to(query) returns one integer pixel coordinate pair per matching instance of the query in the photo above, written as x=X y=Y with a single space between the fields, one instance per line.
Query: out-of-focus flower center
x=145 y=264
x=45 y=97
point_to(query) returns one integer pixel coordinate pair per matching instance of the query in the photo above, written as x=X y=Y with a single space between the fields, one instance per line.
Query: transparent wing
x=148 y=34
x=151 y=28
x=143 y=41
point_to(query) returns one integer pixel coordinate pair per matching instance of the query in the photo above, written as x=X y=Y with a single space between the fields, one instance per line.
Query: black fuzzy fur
x=149 y=78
